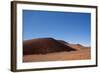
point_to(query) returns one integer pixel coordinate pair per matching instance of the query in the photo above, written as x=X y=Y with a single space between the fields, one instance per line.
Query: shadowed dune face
x=63 y=42
x=44 y=46
x=76 y=46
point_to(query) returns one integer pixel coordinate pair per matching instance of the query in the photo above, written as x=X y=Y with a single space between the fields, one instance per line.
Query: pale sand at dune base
x=81 y=54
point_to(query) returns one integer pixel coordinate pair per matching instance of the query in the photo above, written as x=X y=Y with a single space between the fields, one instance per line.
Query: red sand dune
x=75 y=46
x=44 y=46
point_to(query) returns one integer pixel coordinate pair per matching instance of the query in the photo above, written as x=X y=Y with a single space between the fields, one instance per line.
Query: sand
x=80 y=54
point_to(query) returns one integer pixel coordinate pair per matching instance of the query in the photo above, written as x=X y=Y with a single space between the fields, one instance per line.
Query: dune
x=43 y=46
x=75 y=46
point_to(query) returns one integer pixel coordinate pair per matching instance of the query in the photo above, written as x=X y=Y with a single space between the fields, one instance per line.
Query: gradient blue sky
x=69 y=26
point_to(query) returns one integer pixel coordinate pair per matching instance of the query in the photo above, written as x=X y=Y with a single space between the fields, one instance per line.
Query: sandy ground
x=59 y=56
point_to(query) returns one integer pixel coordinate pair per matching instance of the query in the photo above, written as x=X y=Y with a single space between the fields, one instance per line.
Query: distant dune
x=75 y=46
x=49 y=49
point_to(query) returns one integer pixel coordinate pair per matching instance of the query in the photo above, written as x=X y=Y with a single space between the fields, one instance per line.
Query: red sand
x=60 y=56
x=44 y=46
x=49 y=49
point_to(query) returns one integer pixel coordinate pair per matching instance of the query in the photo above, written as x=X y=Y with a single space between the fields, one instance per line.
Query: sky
x=71 y=27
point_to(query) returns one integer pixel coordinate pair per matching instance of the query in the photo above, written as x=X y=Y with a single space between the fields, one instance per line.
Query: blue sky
x=69 y=26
